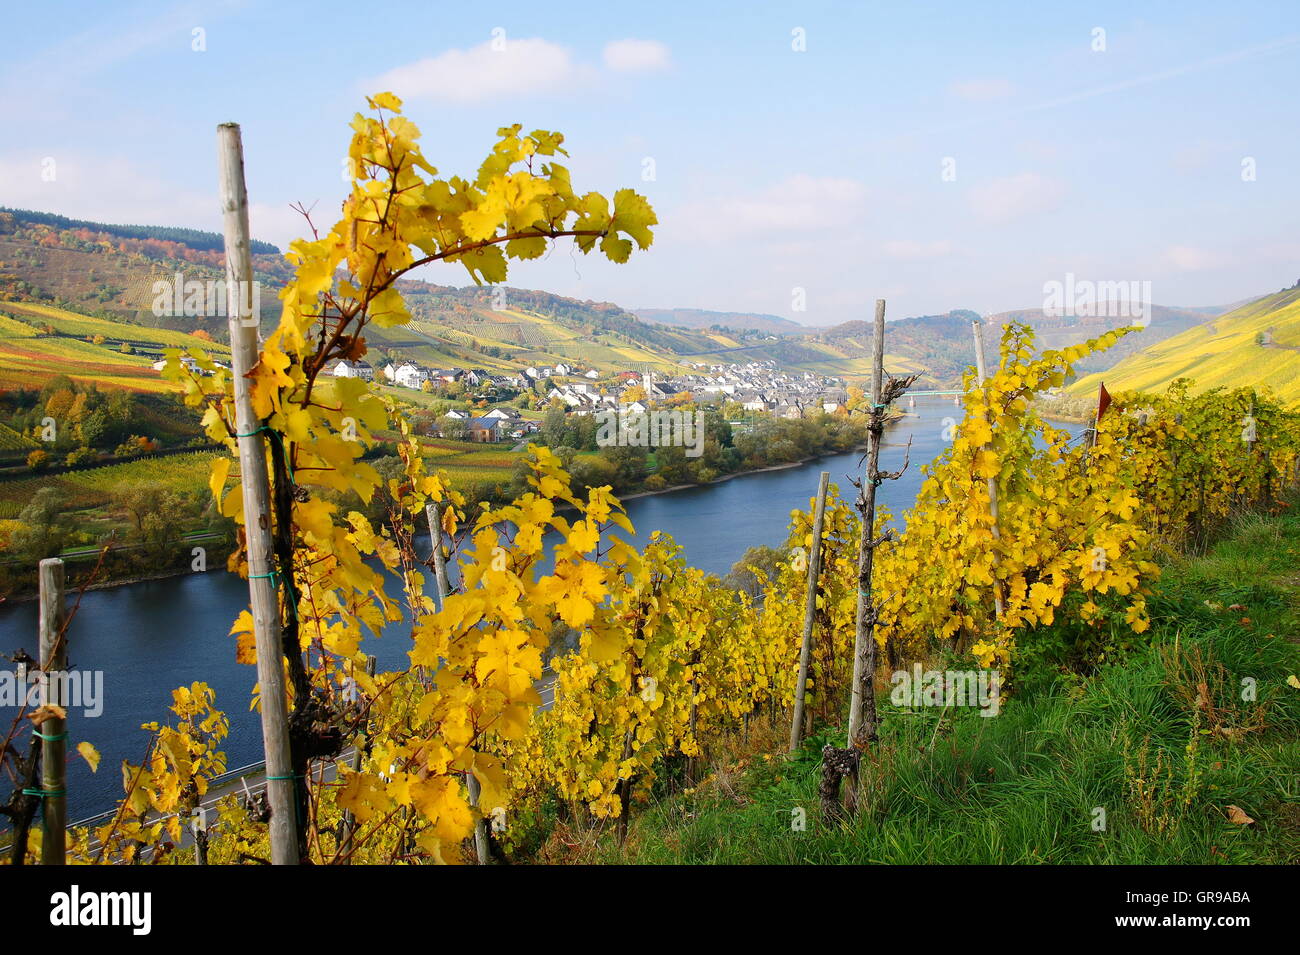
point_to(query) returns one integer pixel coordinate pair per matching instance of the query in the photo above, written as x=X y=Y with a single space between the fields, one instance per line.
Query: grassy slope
x=1022 y=787
x=30 y=360
x=1219 y=352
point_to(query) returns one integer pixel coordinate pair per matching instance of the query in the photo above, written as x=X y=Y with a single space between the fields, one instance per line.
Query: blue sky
x=775 y=169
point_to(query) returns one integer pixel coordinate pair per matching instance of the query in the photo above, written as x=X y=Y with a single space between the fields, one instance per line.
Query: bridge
x=928 y=394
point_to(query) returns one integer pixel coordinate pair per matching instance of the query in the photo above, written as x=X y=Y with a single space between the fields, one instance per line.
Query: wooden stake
x=359 y=748
x=433 y=511
x=980 y=375
x=809 y=612
x=862 y=703
x=199 y=829
x=54 y=732
x=262 y=588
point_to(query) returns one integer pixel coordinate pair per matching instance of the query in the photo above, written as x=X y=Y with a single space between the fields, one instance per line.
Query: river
x=148 y=638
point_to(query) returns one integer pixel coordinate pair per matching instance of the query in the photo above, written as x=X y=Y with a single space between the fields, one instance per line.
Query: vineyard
x=93 y=487
x=1028 y=554
x=41 y=341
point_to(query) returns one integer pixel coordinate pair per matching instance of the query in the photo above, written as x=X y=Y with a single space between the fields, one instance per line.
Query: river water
x=148 y=638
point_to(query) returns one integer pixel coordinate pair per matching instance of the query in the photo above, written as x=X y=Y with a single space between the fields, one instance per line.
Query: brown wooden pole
x=262 y=588
x=54 y=732
x=809 y=611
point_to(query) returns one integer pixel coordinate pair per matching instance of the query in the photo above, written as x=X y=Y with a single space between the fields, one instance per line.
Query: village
x=748 y=388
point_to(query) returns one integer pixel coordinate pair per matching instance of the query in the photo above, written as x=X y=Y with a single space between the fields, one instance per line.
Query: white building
x=354 y=369
x=410 y=375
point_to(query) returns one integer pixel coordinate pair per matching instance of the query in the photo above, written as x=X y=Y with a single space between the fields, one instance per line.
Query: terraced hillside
x=1257 y=344
x=38 y=342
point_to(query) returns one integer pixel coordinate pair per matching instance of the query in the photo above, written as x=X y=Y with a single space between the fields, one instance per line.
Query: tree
x=757 y=566
x=43 y=531
x=38 y=460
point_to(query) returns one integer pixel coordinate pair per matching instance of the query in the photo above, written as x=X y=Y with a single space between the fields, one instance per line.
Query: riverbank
x=736 y=474
x=1159 y=738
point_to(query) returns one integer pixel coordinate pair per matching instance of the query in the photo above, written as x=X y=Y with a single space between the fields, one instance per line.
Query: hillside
x=110 y=271
x=1058 y=332
x=39 y=342
x=731 y=321
x=1257 y=344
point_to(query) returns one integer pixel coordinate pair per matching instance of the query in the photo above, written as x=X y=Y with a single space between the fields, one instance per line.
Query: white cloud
x=799 y=203
x=490 y=70
x=913 y=249
x=636 y=56
x=115 y=190
x=981 y=90
x=100 y=188
x=1012 y=197
x=1191 y=259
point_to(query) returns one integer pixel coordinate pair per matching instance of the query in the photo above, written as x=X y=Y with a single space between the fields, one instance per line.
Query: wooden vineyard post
x=359 y=748
x=199 y=829
x=980 y=375
x=262 y=588
x=53 y=733
x=433 y=511
x=840 y=764
x=810 y=611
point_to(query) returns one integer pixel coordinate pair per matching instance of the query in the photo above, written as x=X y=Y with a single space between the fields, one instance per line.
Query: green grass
x=1023 y=787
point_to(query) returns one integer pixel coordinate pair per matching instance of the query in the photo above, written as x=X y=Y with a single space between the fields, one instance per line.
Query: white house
x=354 y=369
x=457 y=414
x=568 y=397
x=411 y=375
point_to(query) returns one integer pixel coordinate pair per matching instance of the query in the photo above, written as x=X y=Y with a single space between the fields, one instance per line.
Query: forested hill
x=193 y=238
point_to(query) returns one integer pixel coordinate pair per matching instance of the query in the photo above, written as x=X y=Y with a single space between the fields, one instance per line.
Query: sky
x=804 y=159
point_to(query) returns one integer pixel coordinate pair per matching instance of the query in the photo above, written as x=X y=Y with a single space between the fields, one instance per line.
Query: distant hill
x=110 y=271
x=1256 y=344
x=735 y=321
x=1057 y=332
x=94 y=269
x=194 y=238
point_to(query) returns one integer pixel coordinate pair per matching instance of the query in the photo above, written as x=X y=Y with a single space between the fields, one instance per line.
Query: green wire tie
x=49 y=739
x=292 y=480
x=45 y=793
x=279 y=778
x=278 y=440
